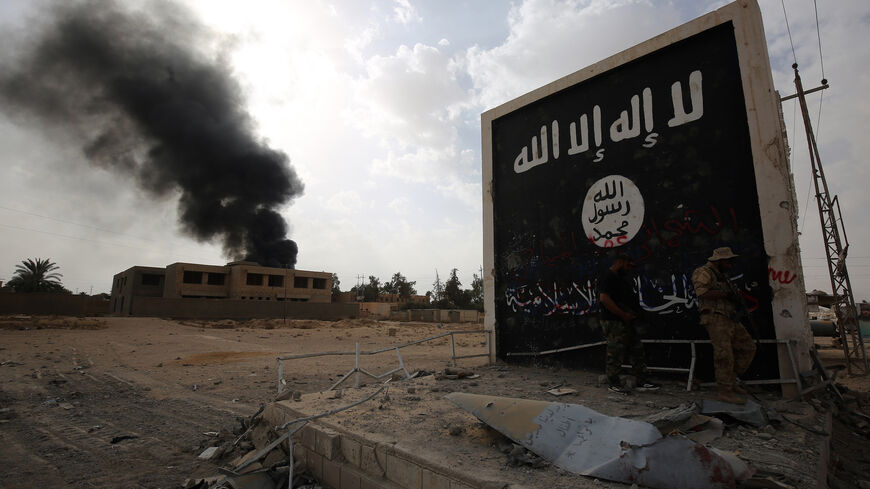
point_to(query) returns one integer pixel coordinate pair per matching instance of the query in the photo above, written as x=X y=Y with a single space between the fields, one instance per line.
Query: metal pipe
x=691 y=369
x=559 y=350
x=402 y=363
x=356 y=381
x=328 y=413
x=280 y=376
x=290 y=462
x=797 y=375
x=452 y=350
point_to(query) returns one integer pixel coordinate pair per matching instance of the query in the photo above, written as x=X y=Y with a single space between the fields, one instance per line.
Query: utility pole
x=360 y=285
x=836 y=247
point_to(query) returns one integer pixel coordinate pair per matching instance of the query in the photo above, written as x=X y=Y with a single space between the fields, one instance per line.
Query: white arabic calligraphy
x=625 y=127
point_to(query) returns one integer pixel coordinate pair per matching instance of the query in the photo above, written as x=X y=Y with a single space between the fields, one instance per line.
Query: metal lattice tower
x=836 y=248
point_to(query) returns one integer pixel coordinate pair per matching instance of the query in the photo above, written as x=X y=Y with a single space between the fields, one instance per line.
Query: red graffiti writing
x=751 y=302
x=692 y=222
x=784 y=277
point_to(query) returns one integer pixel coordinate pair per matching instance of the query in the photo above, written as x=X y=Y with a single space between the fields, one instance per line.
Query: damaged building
x=240 y=289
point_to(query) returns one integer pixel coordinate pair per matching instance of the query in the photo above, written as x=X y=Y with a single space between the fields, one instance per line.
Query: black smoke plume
x=140 y=92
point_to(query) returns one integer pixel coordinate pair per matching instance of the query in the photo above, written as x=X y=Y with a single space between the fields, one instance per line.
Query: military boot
x=727 y=394
x=737 y=388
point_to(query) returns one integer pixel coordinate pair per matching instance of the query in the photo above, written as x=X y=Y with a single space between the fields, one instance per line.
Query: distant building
x=395 y=300
x=240 y=281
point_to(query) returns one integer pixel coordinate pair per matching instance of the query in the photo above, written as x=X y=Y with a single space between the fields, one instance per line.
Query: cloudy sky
x=378 y=103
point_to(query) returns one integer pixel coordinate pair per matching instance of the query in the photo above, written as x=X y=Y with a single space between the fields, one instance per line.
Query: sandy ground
x=70 y=387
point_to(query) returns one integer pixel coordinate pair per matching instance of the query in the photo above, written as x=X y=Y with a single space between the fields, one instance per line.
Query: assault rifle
x=741 y=313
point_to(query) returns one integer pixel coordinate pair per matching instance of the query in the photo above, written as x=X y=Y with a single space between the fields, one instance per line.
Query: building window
x=150 y=279
x=320 y=283
x=300 y=282
x=254 y=279
x=192 y=277
x=217 y=278
x=276 y=280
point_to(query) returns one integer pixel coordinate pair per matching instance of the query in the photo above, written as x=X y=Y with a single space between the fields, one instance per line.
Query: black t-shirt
x=620 y=291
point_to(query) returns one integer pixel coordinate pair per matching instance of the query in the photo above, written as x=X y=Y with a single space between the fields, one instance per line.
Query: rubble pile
x=250 y=455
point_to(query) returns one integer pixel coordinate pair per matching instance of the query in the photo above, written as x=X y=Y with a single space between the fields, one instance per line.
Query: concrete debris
x=208 y=453
x=580 y=440
x=764 y=483
x=749 y=413
x=259 y=480
x=457 y=373
x=562 y=391
x=684 y=419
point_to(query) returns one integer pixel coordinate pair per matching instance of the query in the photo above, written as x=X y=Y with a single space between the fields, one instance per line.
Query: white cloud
x=345 y=202
x=400 y=205
x=552 y=38
x=405 y=13
x=410 y=102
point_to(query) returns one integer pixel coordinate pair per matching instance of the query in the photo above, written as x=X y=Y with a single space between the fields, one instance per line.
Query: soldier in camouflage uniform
x=618 y=303
x=733 y=347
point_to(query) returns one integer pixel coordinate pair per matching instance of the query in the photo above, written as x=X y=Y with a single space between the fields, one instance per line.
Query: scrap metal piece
x=750 y=413
x=583 y=441
x=562 y=391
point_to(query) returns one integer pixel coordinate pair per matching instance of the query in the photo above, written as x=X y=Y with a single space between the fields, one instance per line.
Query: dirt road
x=69 y=393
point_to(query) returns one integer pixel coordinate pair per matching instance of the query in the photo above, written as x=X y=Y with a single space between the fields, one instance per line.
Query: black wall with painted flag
x=651 y=158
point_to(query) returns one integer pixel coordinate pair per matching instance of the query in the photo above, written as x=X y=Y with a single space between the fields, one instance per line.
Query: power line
x=819 y=35
x=789 y=32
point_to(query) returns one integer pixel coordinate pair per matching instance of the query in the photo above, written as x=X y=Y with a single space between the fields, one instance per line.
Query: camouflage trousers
x=733 y=348
x=623 y=346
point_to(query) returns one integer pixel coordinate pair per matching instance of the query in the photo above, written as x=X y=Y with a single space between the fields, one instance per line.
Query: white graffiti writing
x=658 y=298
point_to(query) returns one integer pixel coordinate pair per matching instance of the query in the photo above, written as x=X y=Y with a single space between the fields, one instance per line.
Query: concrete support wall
x=53 y=304
x=340 y=460
x=240 y=309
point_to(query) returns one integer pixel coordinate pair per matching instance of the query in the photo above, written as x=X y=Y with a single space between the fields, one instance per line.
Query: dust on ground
x=67 y=393
x=23 y=322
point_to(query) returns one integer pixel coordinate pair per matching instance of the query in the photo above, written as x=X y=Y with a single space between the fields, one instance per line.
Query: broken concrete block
x=284 y=395
x=369 y=462
x=327 y=443
x=208 y=453
x=274 y=457
x=351 y=450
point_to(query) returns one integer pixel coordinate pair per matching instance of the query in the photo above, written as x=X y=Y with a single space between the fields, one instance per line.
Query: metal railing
x=357 y=353
x=691 y=369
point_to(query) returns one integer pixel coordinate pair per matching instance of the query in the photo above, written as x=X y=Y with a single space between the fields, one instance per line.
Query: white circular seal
x=612 y=211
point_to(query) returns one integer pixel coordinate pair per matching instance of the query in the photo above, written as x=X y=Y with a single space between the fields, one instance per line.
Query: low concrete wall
x=240 y=309
x=438 y=315
x=376 y=309
x=341 y=460
x=53 y=304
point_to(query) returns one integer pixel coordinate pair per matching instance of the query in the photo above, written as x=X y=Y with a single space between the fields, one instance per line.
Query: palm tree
x=36 y=276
